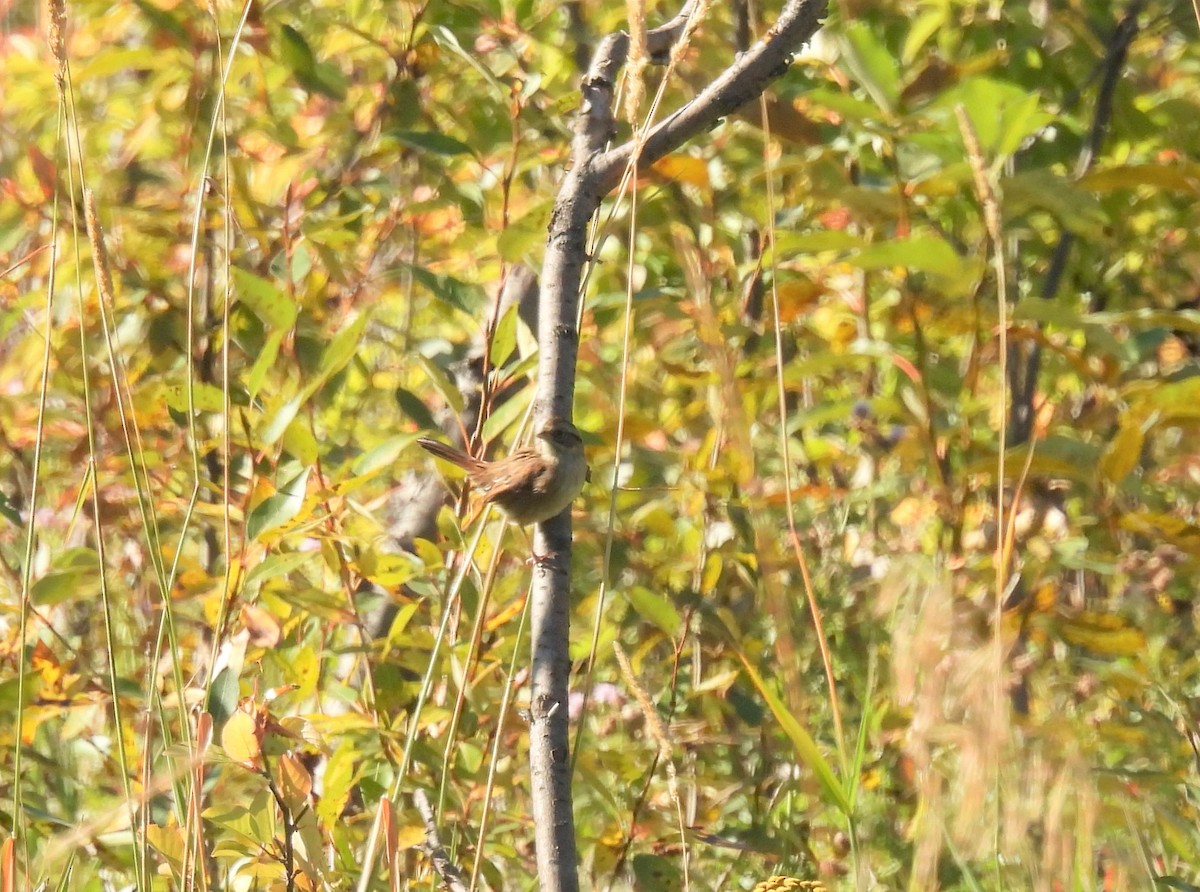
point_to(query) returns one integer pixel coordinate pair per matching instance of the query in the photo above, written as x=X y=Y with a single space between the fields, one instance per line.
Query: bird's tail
x=449 y=453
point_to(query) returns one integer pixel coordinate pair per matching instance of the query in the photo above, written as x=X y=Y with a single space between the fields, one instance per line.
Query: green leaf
x=429 y=141
x=1175 y=178
x=805 y=746
x=277 y=421
x=657 y=873
x=316 y=77
x=788 y=244
x=274 y=308
x=446 y=39
x=656 y=609
x=1074 y=208
x=520 y=239
x=923 y=27
x=1059 y=457
x=223 y=696
x=1022 y=119
x=205 y=397
x=74 y=576
x=295 y=51
x=300 y=443
x=337 y=783
x=341 y=350
x=263 y=363
x=872 y=64
x=922 y=253
x=383 y=455
x=162 y=21
x=506 y=414
x=847 y=106
x=1173 y=401
x=457 y=294
x=415 y=410
x=504 y=339
x=276 y=565
x=1175 y=883
x=442 y=383
x=1125 y=450
x=1002 y=113
x=389 y=570
x=276 y=510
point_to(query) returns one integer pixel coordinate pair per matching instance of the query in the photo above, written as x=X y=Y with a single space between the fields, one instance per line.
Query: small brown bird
x=530 y=485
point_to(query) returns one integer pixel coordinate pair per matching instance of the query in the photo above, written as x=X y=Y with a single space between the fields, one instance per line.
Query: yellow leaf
x=168 y=842
x=239 y=739
x=1123 y=452
x=712 y=573
x=1104 y=634
x=410 y=836
x=684 y=169
x=1175 y=530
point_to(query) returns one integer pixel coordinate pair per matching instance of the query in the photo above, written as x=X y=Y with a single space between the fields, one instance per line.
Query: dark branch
x=1024 y=377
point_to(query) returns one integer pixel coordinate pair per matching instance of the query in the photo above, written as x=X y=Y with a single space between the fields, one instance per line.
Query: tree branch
x=446 y=869
x=741 y=82
x=1023 y=377
x=593 y=173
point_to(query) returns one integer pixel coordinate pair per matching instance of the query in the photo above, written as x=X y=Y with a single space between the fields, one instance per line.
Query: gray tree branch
x=594 y=172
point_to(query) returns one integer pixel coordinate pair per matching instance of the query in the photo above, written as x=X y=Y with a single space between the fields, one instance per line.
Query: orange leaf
x=506 y=613
x=8 y=865
x=797 y=296
x=294 y=781
x=46 y=665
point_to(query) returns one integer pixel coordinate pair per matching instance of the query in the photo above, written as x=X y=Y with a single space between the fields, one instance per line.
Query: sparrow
x=533 y=483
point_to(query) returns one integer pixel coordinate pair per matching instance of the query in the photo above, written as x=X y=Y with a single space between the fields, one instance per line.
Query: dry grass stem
x=56 y=14
x=944 y=672
x=104 y=281
x=638 y=59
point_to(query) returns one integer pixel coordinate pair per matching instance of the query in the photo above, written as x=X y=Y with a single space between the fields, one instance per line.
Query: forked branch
x=595 y=171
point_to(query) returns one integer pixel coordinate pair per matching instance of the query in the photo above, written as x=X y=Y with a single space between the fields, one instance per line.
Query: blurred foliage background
x=309 y=210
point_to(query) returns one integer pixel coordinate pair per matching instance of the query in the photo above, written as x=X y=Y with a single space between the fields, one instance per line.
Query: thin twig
x=446 y=869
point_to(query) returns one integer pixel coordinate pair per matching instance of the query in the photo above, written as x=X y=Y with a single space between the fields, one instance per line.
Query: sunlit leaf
x=656 y=609
x=274 y=308
x=684 y=168
x=204 y=397
x=240 y=739
x=337 y=783
x=341 y=349
x=295 y=783
x=275 y=511
x=872 y=64
x=383 y=455
x=504 y=339
x=928 y=254
x=167 y=842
